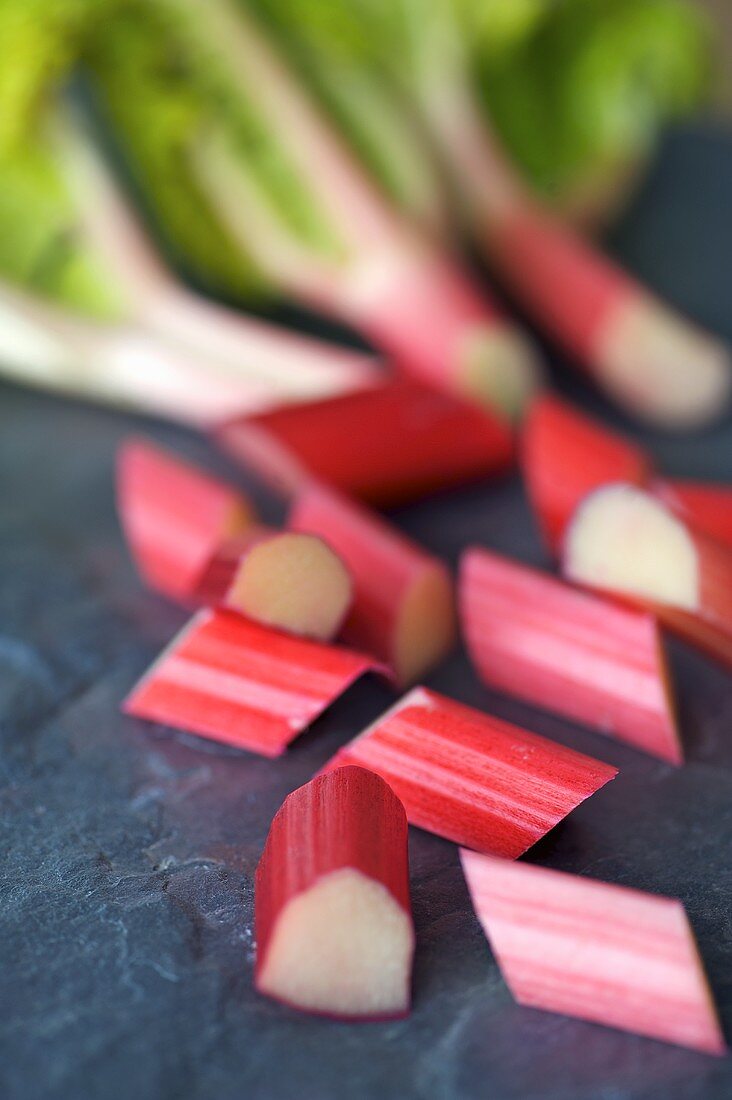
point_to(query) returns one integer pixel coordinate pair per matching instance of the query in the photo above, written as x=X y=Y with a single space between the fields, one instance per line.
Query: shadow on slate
x=129 y=850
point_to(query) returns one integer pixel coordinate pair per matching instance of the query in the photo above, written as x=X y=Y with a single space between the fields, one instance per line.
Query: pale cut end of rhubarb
x=661 y=367
x=342 y=948
x=501 y=369
x=294 y=582
x=426 y=627
x=624 y=540
x=596 y=951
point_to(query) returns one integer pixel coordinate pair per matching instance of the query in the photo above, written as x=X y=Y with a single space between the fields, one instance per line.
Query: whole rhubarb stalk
x=471 y=778
x=653 y=362
x=333 y=917
x=281 y=365
x=569 y=652
x=403 y=610
x=288 y=192
x=625 y=541
x=600 y=952
x=117 y=363
x=385 y=445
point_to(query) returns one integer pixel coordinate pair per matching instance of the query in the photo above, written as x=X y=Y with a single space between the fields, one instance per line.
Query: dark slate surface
x=128 y=850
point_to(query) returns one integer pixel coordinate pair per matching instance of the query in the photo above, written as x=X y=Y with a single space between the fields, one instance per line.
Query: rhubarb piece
x=235 y=681
x=600 y=952
x=565 y=455
x=471 y=778
x=568 y=652
x=174 y=516
x=404 y=605
x=333 y=917
x=708 y=508
x=284 y=579
x=385 y=445
x=624 y=540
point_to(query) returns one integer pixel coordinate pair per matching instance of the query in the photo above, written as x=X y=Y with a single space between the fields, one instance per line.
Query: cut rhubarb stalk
x=624 y=540
x=568 y=652
x=333 y=917
x=235 y=681
x=600 y=952
x=565 y=455
x=385 y=445
x=404 y=606
x=174 y=516
x=472 y=778
x=708 y=508
x=653 y=362
x=284 y=579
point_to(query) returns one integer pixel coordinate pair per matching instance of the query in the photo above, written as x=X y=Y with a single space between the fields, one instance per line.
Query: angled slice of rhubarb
x=332 y=911
x=565 y=455
x=624 y=540
x=386 y=445
x=600 y=952
x=707 y=507
x=285 y=579
x=471 y=778
x=404 y=607
x=234 y=681
x=532 y=636
x=174 y=516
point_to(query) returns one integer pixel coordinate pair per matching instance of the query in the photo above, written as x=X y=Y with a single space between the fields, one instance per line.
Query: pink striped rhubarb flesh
x=285 y=579
x=599 y=952
x=628 y=542
x=386 y=445
x=471 y=778
x=565 y=455
x=569 y=652
x=174 y=516
x=333 y=916
x=237 y=682
x=404 y=603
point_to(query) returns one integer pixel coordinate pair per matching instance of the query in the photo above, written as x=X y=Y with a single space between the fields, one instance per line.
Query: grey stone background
x=128 y=850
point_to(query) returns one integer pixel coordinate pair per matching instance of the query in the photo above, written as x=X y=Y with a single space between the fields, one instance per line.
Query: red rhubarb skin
x=568 y=652
x=384 y=564
x=565 y=455
x=471 y=778
x=385 y=445
x=173 y=516
x=348 y=818
x=426 y=322
x=708 y=508
x=231 y=680
x=596 y=951
x=563 y=282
